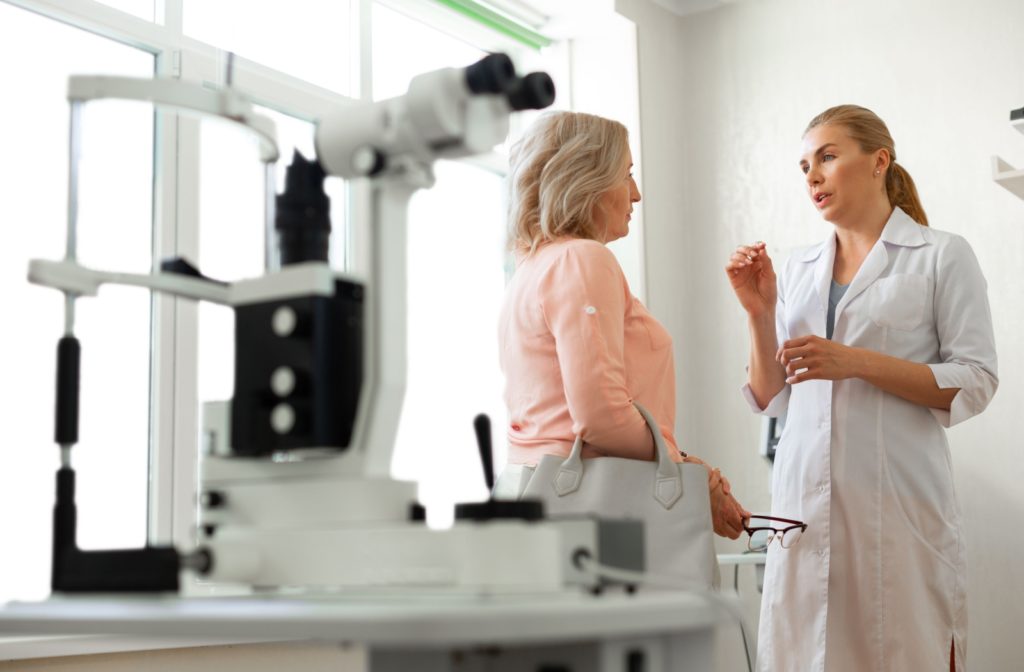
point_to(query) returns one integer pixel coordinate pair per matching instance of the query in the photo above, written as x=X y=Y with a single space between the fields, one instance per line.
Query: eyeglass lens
x=760 y=539
x=791 y=537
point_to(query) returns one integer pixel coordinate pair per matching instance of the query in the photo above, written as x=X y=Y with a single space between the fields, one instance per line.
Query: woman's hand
x=726 y=513
x=752 y=277
x=817 y=358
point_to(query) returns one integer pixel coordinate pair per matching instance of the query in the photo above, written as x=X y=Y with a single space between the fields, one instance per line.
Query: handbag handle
x=668 y=479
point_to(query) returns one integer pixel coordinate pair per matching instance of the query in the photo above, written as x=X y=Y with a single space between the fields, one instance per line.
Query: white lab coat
x=878 y=580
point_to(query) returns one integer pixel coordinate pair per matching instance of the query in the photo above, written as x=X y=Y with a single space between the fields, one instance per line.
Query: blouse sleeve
x=584 y=298
x=963 y=323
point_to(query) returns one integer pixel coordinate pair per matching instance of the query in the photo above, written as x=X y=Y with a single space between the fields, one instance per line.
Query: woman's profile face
x=615 y=206
x=840 y=176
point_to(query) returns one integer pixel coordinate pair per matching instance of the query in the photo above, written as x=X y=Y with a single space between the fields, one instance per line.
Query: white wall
x=944 y=75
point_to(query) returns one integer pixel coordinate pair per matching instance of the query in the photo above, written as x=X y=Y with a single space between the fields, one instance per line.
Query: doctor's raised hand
x=753 y=278
x=870 y=343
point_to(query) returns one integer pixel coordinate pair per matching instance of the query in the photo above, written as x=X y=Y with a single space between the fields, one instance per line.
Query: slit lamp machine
x=295 y=489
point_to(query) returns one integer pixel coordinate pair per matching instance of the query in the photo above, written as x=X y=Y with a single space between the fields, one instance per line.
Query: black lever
x=492 y=509
x=482 y=427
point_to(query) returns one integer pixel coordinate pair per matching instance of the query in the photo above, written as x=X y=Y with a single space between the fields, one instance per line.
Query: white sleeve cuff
x=775 y=408
x=977 y=387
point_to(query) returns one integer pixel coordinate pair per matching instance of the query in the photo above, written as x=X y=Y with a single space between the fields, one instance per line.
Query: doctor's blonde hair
x=871 y=133
x=558 y=171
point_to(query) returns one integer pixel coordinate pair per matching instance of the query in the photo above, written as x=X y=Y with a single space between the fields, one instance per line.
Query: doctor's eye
x=828 y=157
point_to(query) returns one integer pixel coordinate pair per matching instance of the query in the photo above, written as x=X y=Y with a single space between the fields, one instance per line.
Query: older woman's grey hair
x=559 y=169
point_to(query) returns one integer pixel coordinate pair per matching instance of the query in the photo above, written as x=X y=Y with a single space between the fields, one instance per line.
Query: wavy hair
x=559 y=169
x=871 y=133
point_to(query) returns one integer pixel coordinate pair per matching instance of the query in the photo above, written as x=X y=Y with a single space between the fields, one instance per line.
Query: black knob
x=491 y=74
x=212 y=499
x=534 y=91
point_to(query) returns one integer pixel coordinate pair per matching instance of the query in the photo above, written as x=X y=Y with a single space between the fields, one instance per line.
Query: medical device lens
x=303 y=214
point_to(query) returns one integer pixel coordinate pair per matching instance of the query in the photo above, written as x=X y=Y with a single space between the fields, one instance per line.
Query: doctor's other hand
x=817 y=358
x=727 y=514
x=752 y=277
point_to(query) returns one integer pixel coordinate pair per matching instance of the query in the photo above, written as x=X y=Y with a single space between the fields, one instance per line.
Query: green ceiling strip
x=495 y=21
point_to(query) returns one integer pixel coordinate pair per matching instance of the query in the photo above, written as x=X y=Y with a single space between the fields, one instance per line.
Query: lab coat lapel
x=899 y=230
x=874 y=264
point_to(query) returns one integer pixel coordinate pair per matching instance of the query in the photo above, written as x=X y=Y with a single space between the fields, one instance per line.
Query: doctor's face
x=841 y=179
x=615 y=206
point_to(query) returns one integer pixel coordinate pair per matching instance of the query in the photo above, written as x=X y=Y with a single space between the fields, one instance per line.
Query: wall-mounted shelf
x=1006 y=175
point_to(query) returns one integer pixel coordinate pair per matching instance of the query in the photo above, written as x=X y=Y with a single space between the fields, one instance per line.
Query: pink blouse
x=577 y=348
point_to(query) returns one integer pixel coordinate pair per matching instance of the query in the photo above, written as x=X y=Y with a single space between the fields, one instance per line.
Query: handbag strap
x=668 y=480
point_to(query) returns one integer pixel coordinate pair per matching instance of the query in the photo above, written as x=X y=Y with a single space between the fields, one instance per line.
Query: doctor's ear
x=882 y=160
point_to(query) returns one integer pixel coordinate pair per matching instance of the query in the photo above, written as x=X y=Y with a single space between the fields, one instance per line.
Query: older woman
x=577 y=348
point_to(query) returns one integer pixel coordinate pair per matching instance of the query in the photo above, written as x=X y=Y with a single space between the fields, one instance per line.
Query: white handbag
x=671 y=498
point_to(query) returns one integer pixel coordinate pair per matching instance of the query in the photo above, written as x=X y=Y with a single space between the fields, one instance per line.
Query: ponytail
x=902 y=192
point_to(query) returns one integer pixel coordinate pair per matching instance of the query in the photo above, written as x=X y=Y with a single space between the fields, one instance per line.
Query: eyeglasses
x=762 y=532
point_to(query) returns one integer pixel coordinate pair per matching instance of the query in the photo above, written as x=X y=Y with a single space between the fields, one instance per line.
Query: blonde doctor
x=872 y=342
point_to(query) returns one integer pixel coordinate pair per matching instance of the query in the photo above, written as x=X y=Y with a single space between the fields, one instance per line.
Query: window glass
x=404 y=47
x=456 y=283
x=115 y=233
x=144 y=9
x=308 y=39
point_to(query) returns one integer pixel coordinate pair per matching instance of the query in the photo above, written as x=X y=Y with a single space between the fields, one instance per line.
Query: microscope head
x=448 y=113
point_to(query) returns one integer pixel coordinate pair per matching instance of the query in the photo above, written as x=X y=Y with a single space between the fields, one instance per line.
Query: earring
x=877 y=172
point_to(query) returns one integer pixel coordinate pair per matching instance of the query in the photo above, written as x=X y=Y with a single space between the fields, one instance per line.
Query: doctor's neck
x=861 y=229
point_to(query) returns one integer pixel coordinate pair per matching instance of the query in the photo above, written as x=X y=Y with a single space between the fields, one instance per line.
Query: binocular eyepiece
x=496 y=74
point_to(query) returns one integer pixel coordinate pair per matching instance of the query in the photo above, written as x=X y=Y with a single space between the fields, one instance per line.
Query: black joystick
x=482 y=427
x=492 y=509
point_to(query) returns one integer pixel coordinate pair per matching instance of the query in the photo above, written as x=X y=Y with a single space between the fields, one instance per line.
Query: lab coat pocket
x=899 y=301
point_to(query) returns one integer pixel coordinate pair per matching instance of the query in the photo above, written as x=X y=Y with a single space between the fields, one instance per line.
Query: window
x=144 y=9
x=456 y=283
x=394 y=64
x=115 y=232
x=308 y=39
